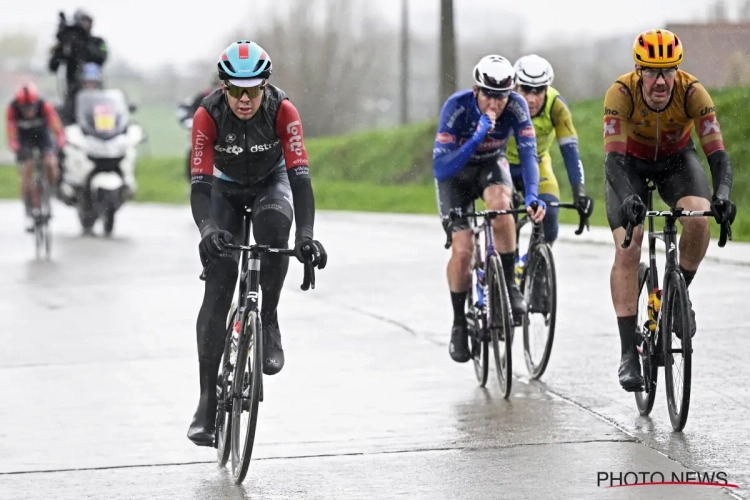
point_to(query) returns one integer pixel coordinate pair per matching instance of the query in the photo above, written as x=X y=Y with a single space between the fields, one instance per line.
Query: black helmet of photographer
x=83 y=19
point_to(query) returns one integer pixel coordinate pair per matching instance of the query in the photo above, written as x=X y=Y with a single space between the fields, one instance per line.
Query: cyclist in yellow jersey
x=551 y=118
x=649 y=115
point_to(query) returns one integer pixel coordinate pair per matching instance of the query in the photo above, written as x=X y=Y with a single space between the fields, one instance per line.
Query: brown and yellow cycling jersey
x=632 y=127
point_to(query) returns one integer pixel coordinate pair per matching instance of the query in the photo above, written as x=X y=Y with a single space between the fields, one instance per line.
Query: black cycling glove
x=584 y=204
x=211 y=246
x=308 y=250
x=724 y=210
x=632 y=211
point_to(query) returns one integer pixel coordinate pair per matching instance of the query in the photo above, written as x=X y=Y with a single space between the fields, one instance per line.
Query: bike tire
x=500 y=324
x=676 y=306
x=478 y=339
x=540 y=256
x=242 y=446
x=224 y=396
x=644 y=400
x=480 y=352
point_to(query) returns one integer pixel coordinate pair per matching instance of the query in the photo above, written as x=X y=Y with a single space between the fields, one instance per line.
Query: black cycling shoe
x=459 y=346
x=678 y=328
x=517 y=302
x=273 y=354
x=630 y=371
x=202 y=429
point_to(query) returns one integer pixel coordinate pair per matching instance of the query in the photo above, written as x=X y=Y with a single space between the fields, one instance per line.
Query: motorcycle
x=100 y=156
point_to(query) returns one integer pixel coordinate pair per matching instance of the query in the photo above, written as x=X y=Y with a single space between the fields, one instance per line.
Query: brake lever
x=308 y=280
x=583 y=222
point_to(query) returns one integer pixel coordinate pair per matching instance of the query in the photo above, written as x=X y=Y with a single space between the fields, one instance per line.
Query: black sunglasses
x=495 y=94
x=526 y=89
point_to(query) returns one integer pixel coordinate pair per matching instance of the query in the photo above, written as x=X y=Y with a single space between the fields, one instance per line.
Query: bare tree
x=328 y=65
x=719 y=12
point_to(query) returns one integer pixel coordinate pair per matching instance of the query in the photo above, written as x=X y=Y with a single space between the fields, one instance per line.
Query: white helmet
x=534 y=71
x=495 y=72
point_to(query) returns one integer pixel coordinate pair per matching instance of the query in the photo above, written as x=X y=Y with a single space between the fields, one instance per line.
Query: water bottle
x=480 y=287
x=235 y=343
x=654 y=304
x=520 y=264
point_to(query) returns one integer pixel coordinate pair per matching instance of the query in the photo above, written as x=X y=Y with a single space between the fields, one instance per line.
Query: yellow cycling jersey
x=554 y=120
x=632 y=127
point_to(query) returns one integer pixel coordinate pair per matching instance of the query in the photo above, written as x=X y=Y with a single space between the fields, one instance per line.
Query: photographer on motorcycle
x=75 y=47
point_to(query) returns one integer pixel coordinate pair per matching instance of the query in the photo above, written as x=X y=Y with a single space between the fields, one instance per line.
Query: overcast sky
x=149 y=32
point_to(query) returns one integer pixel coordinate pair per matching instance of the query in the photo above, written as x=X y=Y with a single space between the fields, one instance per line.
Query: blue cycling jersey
x=458 y=142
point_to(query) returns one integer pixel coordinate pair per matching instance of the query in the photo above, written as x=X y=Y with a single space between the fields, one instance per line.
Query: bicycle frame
x=249 y=277
x=478 y=229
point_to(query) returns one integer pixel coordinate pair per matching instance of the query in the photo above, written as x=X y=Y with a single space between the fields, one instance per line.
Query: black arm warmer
x=614 y=169
x=721 y=174
x=200 y=203
x=304 y=202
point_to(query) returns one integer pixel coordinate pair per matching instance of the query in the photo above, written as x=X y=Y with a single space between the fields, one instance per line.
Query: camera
x=69 y=35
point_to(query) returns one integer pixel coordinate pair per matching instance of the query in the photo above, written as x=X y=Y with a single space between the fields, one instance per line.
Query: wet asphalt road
x=99 y=376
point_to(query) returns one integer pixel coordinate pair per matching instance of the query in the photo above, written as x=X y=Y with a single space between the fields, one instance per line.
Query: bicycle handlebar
x=726 y=229
x=490 y=214
x=308 y=280
x=582 y=223
x=583 y=220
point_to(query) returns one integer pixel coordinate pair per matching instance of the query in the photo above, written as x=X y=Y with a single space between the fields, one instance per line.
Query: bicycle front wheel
x=539 y=320
x=500 y=324
x=246 y=393
x=476 y=323
x=677 y=348
x=224 y=393
x=479 y=346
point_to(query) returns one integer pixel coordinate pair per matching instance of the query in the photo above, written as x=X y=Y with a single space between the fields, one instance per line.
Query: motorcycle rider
x=75 y=47
x=91 y=78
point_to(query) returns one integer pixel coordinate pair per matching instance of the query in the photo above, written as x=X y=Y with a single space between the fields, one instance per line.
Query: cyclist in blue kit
x=469 y=162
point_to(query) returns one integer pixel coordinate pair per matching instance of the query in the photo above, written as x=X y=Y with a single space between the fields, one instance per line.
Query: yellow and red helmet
x=657 y=49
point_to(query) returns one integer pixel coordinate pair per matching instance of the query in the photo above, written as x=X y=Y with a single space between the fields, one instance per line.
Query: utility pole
x=447 y=51
x=404 y=62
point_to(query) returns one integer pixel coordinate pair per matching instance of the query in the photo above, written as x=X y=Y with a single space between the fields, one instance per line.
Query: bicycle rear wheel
x=500 y=324
x=649 y=349
x=675 y=319
x=246 y=392
x=224 y=395
x=541 y=296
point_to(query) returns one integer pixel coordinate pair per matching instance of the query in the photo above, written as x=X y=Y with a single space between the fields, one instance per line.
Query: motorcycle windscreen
x=102 y=113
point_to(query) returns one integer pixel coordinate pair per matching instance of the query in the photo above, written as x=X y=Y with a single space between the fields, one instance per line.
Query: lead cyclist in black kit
x=247 y=151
